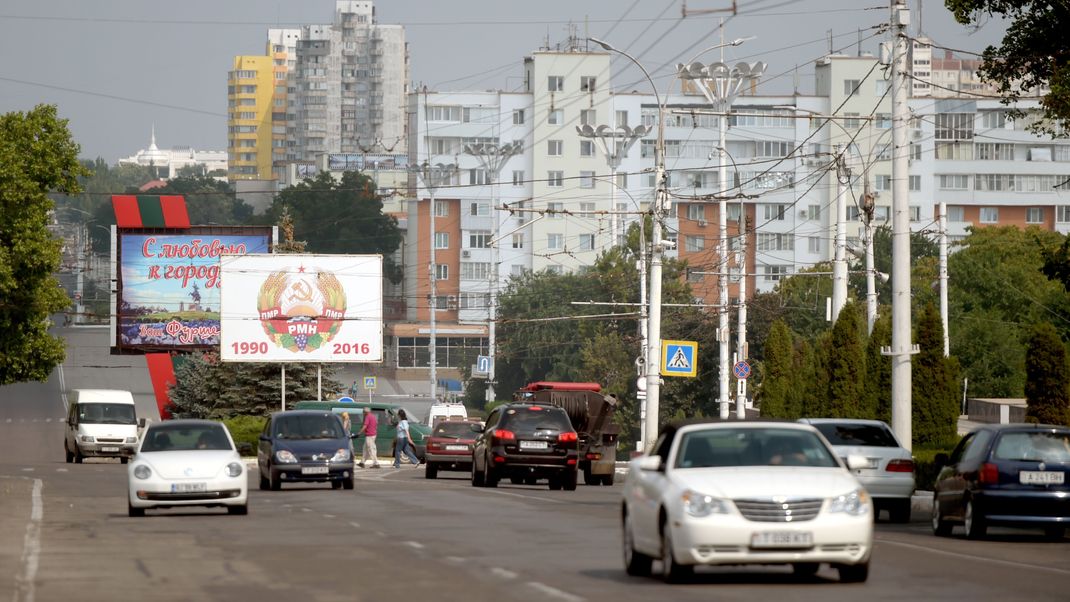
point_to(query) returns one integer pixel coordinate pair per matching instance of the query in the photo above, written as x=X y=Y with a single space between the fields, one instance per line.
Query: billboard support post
x=283 y=366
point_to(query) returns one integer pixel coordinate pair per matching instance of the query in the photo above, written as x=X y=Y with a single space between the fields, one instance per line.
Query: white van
x=101 y=423
x=446 y=411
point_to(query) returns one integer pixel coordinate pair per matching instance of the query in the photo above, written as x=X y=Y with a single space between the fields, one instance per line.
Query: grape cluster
x=302 y=340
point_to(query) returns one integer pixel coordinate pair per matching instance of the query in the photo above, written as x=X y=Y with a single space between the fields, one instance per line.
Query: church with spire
x=166 y=164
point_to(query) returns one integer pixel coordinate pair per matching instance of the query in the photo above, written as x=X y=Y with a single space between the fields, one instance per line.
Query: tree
x=1057 y=262
x=778 y=373
x=208 y=201
x=342 y=216
x=1047 y=383
x=846 y=369
x=37 y=156
x=934 y=384
x=879 y=370
x=1034 y=54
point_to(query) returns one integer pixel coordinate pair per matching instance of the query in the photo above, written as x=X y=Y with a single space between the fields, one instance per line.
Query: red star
x=301 y=269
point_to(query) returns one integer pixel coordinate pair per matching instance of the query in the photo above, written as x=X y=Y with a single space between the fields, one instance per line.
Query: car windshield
x=867 y=435
x=311 y=426
x=536 y=418
x=723 y=447
x=106 y=413
x=182 y=437
x=455 y=430
x=1036 y=447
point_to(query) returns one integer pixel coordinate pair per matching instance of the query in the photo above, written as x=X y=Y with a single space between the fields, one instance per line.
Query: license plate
x=188 y=487
x=781 y=539
x=456 y=448
x=314 y=470
x=109 y=449
x=1041 y=477
x=534 y=445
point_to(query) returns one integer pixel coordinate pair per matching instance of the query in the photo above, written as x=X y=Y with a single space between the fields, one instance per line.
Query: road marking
x=306 y=509
x=456 y=559
x=974 y=557
x=328 y=516
x=355 y=525
x=529 y=497
x=9 y=420
x=27 y=470
x=61 y=470
x=414 y=544
x=503 y=573
x=31 y=549
x=48 y=420
x=553 y=592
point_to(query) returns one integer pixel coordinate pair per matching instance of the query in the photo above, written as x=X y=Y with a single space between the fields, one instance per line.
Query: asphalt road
x=64 y=535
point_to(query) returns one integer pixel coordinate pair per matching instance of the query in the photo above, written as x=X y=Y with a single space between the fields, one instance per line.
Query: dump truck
x=591 y=413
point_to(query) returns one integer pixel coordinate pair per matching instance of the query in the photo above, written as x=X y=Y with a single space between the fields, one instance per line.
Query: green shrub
x=246 y=429
x=925 y=467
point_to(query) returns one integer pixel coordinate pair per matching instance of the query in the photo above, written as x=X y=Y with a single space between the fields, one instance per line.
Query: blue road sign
x=345 y=400
x=679 y=358
x=741 y=370
x=483 y=363
x=369 y=383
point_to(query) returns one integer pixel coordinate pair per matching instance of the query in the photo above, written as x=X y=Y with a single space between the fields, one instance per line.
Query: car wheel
x=490 y=478
x=276 y=482
x=974 y=522
x=854 y=573
x=569 y=480
x=589 y=478
x=124 y=460
x=67 y=453
x=348 y=483
x=238 y=510
x=607 y=479
x=805 y=569
x=636 y=563
x=941 y=527
x=78 y=457
x=336 y=484
x=430 y=471
x=899 y=511
x=477 y=476
x=264 y=483
x=134 y=512
x=555 y=483
x=1054 y=533
x=671 y=571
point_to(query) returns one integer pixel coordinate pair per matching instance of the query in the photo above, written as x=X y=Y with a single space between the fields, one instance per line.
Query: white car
x=187 y=463
x=726 y=493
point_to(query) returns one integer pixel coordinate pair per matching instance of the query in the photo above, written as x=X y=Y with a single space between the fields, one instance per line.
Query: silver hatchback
x=889 y=475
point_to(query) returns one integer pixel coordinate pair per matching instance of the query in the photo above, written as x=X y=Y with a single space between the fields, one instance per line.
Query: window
x=518 y=117
x=850 y=87
x=472 y=270
x=766 y=148
x=989 y=215
x=588 y=117
x=813 y=244
x=555 y=83
x=882 y=183
x=442 y=272
x=954 y=182
x=956 y=213
x=479 y=239
x=622 y=118
x=988 y=151
x=776 y=241
x=442 y=240
x=442 y=209
x=773 y=273
x=774 y=212
x=555 y=210
x=587 y=83
x=443 y=113
x=587 y=208
x=915 y=183
x=555 y=178
x=882 y=121
x=555 y=241
x=993 y=119
x=481 y=209
x=694 y=275
x=518 y=177
x=478 y=177
x=696 y=212
x=586 y=179
x=954 y=126
x=1034 y=215
x=586 y=242
x=813 y=212
x=554 y=147
x=694 y=244
x=915 y=213
x=555 y=117
x=1062 y=213
x=881 y=87
x=622 y=181
x=954 y=151
x=518 y=240
x=586 y=148
x=851 y=121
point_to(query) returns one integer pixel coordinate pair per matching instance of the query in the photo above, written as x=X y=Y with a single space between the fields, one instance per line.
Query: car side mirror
x=941 y=459
x=857 y=462
x=245 y=448
x=265 y=438
x=650 y=463
x=141 y=423
x=477 y=428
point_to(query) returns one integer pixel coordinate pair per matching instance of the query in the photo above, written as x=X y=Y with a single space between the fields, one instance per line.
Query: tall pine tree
x=934 y=384
x=1047 y=383
x=778 y=372
x=846 y=370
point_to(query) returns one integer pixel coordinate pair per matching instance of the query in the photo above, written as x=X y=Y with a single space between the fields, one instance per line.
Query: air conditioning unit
x=701 y=223
x=466 y=253
x=916 y=134
x=451 y=302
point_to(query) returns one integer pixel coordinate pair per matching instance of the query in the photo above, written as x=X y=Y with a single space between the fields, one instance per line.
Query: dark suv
x=305 y=446
x=524 y=441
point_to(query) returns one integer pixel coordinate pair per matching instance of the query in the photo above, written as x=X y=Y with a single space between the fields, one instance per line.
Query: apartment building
x=250 y=88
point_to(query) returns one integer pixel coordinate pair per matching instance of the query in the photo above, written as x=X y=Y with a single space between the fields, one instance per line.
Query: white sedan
x=728 y=493
x=187 y=463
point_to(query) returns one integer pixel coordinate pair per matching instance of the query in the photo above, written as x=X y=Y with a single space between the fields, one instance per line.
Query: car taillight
x=900 y=466
x=567 y=437
x=594 y=456
x=503 y=435
x=988 y=474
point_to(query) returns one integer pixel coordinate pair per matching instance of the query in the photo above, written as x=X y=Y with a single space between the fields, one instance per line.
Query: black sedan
x=1005 y=474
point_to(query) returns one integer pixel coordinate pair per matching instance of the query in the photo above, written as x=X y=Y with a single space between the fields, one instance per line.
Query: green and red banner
x=150 y=211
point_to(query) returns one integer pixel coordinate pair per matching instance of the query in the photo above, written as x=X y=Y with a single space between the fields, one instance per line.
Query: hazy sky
x=116 y=67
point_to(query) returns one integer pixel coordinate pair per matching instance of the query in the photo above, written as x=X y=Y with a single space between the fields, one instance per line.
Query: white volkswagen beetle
x=187 y=463
x=725 y=493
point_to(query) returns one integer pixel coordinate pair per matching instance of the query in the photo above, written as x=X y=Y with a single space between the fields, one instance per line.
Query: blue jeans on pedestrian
x=404 y=445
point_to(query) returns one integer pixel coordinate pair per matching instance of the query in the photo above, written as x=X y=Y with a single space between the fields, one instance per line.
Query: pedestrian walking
x=403 y=443
x=369 y=428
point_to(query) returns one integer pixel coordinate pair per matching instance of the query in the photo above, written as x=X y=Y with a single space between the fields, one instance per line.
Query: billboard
x=168 y=284
x=301 y=308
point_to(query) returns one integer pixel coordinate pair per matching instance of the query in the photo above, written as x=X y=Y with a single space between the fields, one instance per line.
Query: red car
x=449 y=447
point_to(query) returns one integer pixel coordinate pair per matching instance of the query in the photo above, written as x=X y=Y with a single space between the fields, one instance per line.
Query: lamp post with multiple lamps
x=721 y=84
x=432 y=177
x=615 y=144
x=492 y=158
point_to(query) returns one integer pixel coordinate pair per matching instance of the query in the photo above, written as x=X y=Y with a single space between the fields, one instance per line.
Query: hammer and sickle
x=302 y=292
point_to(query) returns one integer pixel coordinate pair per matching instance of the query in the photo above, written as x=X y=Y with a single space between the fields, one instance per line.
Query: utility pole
x=839 y=263
x=741 y=329
x=943 y=277
x=868 y=206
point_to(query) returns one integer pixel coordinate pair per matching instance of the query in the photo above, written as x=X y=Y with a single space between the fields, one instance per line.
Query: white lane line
x=31 y=549
x=553 y=592
x=456 y=559
x=328 y=516
x=503 y=573
x=527 y=497
x=974 y=557
x=414 y=544
x=48 y=420
x=27 y=470
x=306 y=509
x=355 y=525
x=61 y=470
x=9 y=420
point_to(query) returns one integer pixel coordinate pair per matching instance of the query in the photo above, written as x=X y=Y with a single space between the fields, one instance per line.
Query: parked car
x=1005 y=474
x=450 y=446
x=303 y=446
x=186 y=463
x=889 y=472
x=726 y=493
x=387 y=416
x=529 y=442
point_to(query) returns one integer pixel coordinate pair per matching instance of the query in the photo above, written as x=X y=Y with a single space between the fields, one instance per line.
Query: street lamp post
x=493 y=157
x=615 y=144
x=721 y=84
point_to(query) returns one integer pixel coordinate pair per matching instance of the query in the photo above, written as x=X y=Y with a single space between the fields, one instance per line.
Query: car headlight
x=234 y=469
x=86 y=439
x=142 y=472
x=700 y=504
x=342 y=455
x=855 y=503
x=131 y=439
x=285 y=456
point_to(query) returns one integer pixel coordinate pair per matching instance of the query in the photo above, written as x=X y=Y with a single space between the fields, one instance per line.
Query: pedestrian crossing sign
x=679 y=358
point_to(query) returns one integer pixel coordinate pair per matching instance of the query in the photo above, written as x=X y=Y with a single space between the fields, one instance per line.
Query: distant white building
x=167 y=163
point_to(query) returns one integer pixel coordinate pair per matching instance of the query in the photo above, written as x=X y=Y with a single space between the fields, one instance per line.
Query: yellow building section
x=250 y=85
